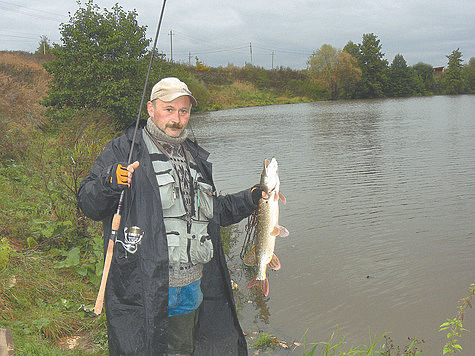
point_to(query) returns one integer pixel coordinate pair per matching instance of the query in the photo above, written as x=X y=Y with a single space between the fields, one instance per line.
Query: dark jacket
x=136 y=299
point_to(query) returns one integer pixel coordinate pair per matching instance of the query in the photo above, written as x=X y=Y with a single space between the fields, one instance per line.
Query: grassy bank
x=242 y=94
x=44 y=300
x=49 y=310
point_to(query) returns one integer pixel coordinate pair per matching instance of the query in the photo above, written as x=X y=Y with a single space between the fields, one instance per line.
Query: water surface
x=380 y=209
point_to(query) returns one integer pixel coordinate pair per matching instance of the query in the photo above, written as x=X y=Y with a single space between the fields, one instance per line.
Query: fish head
x=270 y=175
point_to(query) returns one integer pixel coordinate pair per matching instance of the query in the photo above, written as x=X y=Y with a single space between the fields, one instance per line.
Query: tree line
x=360 y=71
x=101 y=64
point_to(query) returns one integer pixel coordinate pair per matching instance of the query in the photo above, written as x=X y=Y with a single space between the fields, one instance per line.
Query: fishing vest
x=187 y=242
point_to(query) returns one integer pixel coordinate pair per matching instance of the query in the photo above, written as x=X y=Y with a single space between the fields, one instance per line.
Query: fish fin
x=262 y=285
x=281 y=196
x=283 y=232
x=274 y=263
x=250 y=257
x=279 y=231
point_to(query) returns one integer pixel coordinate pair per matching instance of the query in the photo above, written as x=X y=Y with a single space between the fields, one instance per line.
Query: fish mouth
x=270 y=191
x=267 y=189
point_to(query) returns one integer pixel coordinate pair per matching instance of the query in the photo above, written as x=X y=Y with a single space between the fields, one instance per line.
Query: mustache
x=174 y=125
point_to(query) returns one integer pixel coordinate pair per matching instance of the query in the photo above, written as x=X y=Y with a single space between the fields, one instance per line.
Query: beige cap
x=168 y=89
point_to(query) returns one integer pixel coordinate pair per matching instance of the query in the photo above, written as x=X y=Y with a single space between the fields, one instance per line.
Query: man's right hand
x=120 y=175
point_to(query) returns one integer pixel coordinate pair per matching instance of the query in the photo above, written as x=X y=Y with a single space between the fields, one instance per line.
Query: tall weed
x=23 y=83
x=454 y=327
x=337 y=345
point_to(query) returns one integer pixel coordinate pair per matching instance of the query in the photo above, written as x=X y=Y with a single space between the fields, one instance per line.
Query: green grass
x=265 y=342
x=44 y=306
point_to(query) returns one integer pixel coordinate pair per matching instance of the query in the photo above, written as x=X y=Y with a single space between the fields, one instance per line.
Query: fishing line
x=193 y=137
x=251 y=232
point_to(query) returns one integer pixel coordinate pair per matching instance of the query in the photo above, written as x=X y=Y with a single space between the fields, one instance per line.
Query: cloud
x=224 y=31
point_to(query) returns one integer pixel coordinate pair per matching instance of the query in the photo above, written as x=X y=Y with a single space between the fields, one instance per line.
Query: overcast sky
x=279 y=32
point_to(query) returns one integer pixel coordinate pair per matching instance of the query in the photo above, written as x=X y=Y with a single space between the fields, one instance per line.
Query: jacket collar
x=129 y=131
x=196 y=150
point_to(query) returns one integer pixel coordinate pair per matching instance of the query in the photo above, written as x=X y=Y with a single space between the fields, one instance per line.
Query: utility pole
x=171 y=46
x=250 y=50
x=189 y=59
x=272 y=60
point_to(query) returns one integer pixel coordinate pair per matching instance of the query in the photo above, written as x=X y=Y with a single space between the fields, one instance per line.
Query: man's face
x=171 y=117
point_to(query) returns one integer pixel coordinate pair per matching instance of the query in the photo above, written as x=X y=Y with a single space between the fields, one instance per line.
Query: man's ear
x=150 y=108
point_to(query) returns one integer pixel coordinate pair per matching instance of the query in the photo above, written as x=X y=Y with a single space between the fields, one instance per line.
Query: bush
x=101 y=62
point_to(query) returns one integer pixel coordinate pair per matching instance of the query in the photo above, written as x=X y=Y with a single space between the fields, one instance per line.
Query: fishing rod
x=117 y=216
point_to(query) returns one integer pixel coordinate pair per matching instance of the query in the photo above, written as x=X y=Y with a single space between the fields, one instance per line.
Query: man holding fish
x=168 y=288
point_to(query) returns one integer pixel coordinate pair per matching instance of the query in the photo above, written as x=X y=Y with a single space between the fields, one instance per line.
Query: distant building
x=438 y=70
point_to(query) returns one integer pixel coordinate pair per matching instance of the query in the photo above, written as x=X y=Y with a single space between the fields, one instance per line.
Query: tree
x=374 y=68
x=320 y=66
x=401 y=78
x=353 y=49
x=468 y=74
x=44 y=46
x=453 y=82
x=333 y=69
x=425 y=75
x=347 y=74
x=100 y=62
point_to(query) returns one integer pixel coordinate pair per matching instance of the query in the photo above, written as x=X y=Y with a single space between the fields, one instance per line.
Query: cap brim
x=170 y=97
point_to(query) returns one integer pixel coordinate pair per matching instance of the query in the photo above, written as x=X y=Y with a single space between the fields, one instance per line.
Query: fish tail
x=263 y=285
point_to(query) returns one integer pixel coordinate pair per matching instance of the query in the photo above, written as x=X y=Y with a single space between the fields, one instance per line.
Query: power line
x=17 y=36
x=35 y=10
x=284 y=50
x=190 y=37
x=13 y=36
x=274 y=48
x=215 y=50
x=39 y=14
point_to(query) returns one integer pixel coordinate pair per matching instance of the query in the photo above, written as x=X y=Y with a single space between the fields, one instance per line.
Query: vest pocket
x=173 y=247
x=204 y=199
x=200 y=245
x=167 y=190
x=201 y=249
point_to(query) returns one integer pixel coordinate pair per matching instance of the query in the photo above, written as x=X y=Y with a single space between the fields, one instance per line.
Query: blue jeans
x=184 y=300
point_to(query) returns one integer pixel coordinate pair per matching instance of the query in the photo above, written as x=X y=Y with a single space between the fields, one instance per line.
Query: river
x=380 y=209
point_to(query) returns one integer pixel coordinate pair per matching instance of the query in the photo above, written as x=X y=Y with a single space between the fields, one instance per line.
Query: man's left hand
x=257 y=193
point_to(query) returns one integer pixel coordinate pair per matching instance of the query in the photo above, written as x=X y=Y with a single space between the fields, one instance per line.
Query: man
x=168 y=290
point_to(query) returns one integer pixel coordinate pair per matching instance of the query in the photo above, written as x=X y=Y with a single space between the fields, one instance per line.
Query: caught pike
x=262 y=254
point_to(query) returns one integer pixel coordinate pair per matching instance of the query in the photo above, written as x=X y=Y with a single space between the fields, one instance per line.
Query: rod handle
x=115 y=223
x=107 y=264
x=105 y=274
